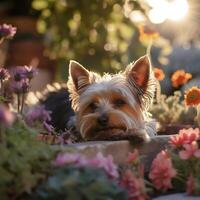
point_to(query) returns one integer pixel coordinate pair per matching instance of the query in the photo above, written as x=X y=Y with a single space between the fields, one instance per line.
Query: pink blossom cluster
x=162 y=171
x=99 y=161
x=186 y=142
x=134 y=185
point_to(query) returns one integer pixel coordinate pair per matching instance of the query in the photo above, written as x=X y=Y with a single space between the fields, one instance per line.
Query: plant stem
x=198 y=114
x=22 y=103
x=18 y=103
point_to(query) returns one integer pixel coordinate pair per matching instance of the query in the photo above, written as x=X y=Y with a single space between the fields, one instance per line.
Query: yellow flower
x=192 y=96
x=180 y=77
x=147 y=33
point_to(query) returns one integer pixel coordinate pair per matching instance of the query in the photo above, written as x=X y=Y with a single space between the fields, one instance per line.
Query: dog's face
x=111 y=104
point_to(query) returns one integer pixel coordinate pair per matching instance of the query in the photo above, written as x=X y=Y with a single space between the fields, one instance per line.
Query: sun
x=162 y=10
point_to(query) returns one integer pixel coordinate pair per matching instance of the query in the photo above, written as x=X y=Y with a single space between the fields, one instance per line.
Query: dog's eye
x=93 y=106
x=119 y=102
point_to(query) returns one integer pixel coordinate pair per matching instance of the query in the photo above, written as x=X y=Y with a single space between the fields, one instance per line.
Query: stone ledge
x=120 y=149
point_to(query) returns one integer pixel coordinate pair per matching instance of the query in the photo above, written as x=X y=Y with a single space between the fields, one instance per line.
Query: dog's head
x=111 y=104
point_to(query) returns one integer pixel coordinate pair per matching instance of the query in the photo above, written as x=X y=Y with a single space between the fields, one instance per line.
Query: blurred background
x=103 y=35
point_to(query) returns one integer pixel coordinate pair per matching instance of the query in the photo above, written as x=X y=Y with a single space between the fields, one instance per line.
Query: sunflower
x=180 y=77
x=192 y=96
x=159 y=74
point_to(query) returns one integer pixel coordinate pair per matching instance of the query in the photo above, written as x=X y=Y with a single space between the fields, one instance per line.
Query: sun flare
x=162 y=10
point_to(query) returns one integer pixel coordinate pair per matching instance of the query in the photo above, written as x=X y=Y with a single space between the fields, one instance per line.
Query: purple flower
x=7 y=31
x=48 y=127
x=20 y=87
x=4 y=74
x=37 y=114
x=105 y=163
x=30 y=72
x=6 y=117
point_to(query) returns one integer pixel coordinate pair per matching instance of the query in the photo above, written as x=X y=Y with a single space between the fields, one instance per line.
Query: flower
x=6 y=117
x=7 y=31
x=180 y=77
x=23 y=72
x=37 y=113
x=147 y=33
x=70 y=158
x=192 y=96
x=48 y=127
x=185 y=136
x=105 y=163
x=4 y=74
x=162 y=171
x=20 y=87
x=133 y=156
x=134 y=185
x=190 y=185
x=159 y=74
x=191 y=150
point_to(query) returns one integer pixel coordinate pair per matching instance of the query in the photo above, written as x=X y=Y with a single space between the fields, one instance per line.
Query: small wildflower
x=20 y=87
x=6 y=117
x=162 y=171
x=185 y=136
x=180 y=77
x=4 y=74
x=37 y=114
x=192 y=96
x=48 y=127
x=147 y=33
x=190 y=150
x=159 y=74
x=134 y=185
x=30 y=72
x=7 y=31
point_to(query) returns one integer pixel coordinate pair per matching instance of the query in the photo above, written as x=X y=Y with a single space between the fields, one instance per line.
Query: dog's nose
x=103 y=120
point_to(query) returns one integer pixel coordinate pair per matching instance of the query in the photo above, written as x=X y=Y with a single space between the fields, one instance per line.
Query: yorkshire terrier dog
x=112 y=105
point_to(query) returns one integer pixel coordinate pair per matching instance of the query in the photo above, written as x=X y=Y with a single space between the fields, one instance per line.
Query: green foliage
x=86 y=183
x=171 y=110
x=96 y=33
x=24 y=162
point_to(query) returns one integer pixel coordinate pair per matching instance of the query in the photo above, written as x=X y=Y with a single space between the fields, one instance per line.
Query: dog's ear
x=139 y=72
x=79 y=75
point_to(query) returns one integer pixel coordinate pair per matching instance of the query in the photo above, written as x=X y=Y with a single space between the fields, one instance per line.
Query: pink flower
x=190 y=185
x=191 y=150
x=105 y=163
x=134 y=185
x=7 y=31
x=133 y=156
x=162 y=171
x=6 y=117
x=70 y=158
x=185 y=136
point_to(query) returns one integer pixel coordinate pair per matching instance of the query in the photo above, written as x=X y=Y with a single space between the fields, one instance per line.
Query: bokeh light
x=162 y=10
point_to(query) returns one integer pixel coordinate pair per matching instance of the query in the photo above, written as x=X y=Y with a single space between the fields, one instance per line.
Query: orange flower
x=147 y=33
x=180 y=77
x=159 y=74
x=192 y=96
